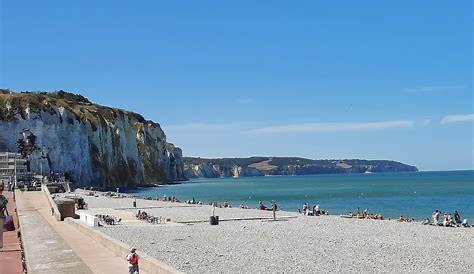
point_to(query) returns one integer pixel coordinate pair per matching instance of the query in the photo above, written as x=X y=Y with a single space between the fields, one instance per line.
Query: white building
x=8 y=161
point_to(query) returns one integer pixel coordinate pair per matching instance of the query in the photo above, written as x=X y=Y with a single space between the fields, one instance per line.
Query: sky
x=316 y=79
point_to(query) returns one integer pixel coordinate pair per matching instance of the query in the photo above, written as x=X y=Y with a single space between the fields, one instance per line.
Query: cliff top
x=20 y=103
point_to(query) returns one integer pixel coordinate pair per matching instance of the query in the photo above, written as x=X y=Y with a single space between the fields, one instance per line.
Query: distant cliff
x=262 y=166
x=92 y=144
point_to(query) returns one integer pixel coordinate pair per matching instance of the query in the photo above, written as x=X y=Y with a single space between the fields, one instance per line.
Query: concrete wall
x=54 y=206
x=147 y=263
x=88 y=219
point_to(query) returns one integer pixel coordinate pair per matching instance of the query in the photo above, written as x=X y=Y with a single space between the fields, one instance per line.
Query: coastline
x=415 y=195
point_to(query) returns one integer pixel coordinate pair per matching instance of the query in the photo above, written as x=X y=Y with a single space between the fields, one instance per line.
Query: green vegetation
x=301 y=166
x=13 y=104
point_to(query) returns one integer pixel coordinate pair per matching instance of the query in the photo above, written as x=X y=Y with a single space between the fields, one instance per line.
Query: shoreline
x=293 y=244
x=219 y=204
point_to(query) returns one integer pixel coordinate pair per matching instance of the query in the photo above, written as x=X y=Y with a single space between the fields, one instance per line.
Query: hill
x=264 y=166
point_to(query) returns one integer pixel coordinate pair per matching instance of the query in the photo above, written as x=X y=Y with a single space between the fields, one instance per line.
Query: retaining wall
x=54 y=207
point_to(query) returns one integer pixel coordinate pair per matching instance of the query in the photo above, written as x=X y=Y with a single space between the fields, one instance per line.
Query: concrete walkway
x=45 y=250
x=81 y=253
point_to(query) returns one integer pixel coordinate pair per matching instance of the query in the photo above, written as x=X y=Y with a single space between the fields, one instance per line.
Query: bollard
x=214 y=220
x=274 y=208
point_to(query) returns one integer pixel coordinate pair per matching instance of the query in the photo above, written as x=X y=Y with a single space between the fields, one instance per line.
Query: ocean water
x=415 y=194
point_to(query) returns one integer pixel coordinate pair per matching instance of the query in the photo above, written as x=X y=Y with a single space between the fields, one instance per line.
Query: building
x=8 y=161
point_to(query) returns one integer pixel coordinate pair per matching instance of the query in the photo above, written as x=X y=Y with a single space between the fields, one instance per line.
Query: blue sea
x=414 y=194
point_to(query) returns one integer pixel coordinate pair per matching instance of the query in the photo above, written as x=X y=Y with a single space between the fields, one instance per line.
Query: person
x=446 y=220
x=305 y=207
x=274 y=209
x=317 y=210
x=436 y=217
x=457 y=217
x=132 y=259
x=465 y=223
x=261 y=206
x=3 y=209
x=274 y=206
x=450 y=219
x=426 y=221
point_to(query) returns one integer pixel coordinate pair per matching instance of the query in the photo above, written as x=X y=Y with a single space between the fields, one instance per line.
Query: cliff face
x=94 y=145
x=264 y=166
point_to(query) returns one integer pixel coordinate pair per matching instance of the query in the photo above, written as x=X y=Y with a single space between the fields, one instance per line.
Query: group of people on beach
x=405 y=219
x=315 y=210
x=262 y=206
x=447 y=220
x=172 y=199
x=364 y=215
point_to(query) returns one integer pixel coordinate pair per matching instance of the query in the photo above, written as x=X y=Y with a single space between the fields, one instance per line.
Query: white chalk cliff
x=94 y=145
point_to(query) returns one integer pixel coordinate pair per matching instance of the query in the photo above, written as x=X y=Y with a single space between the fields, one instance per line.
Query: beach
x=249 y=241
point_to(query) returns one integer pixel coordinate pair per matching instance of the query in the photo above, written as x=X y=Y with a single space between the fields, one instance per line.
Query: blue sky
x=349 y=79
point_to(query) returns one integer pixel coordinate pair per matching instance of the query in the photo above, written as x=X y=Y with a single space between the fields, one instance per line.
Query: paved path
x=10 y=256
x=93 y=257
x=45 y=250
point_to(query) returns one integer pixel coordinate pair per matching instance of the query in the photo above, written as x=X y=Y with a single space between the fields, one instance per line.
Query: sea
x=411 y=194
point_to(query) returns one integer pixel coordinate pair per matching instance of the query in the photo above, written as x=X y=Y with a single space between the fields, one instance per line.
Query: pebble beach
x=250 y=241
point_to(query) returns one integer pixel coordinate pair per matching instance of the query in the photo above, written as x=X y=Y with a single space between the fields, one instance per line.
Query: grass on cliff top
x=81 y=107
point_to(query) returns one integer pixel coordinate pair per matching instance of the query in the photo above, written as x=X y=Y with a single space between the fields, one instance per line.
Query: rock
x=92 y=144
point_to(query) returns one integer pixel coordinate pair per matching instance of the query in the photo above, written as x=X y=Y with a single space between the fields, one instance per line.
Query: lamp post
x=14 y=168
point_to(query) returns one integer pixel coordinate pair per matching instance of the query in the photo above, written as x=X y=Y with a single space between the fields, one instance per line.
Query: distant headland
x=265 y=166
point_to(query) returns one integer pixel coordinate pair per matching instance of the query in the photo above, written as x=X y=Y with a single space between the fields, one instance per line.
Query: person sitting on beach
x=305 y=207
x=317 y=210
x=457 y=217
x=426 y=221
x=450 y=219
x=446 y=221
x=402 y=219
x=261 y=206
x=465 y=223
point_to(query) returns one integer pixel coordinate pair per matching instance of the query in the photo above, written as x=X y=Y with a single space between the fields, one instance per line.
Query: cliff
x=92 y=144
x=264 y=166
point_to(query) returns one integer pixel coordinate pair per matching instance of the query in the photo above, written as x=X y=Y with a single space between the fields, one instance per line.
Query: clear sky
x=317 y=79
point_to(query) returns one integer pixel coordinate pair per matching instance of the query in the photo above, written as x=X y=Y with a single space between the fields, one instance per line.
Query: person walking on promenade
x=3 y=208
x=132 y=260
